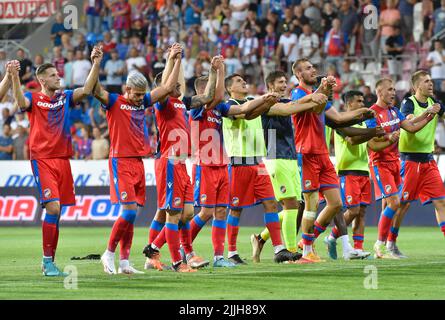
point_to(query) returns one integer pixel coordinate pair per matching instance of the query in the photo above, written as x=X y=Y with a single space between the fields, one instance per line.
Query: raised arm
x=5 y=84
x=248 y=108
x=219 y=91
x=101 y=94
x=343 y=117
x=81 y=93
x=209 y=94
x=21 y=102
x=160 y=93
x=415 y=124
x=306 y=103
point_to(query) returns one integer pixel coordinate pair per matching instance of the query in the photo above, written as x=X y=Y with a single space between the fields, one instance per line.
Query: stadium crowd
x=254 y=37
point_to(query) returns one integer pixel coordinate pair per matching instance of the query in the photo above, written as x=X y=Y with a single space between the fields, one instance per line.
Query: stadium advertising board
x=14 y=11
x=19 y=203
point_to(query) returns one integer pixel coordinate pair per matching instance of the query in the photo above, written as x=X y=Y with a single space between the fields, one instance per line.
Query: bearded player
x=51 y=147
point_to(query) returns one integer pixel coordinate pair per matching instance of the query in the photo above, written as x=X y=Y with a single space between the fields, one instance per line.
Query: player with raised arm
x=384 y=155
x=249 y=182
x=281 y=162
x=6 y=82
x=175 y=196
x=421 y=178
x=129 y=144
x=352 y=167
x=317 y=170
x=50 y=146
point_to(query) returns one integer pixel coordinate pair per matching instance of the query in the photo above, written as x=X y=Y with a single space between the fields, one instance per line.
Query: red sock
x=385 y=223
x=334 y=232
x=442 y=227
x=195 y=226
x=393 y=233
x=118 y=231
x=172 y=236
x=155 y=229
x=273 y=225
x=55 y=242
x=186 y=237
x=318 y=229
x=218 y=236
x=232 y=232
x=125 y=243
x=308 y=238
x=49 y=232
x=160 y=239
x=358 y=241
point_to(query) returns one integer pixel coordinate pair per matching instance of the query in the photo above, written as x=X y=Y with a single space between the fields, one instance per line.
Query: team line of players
x=243 y=169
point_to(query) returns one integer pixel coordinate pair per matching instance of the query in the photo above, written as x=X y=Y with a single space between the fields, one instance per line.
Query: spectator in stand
x=225 y=40
x=252 y=23
x=269 y=48
x=136 y=62
x=389 y=18
x=299 y=20
x=136 y=43
x=204 y=59
x=438 y=21
x=150 y=56
x=81 y=69
x=368 y=36
x=350 y=80
x=114 y=70
x=38 y=61
x=436 y=63
x=7 y=118
x=59 y=34
x=328 y=15
x=406 y=9
x=21 y=121
x=59 y=61
x=223 y=10
x=239 y=12
x=6 y=143
x=334 y=45
x=121 y=12
x=210 y=28
x=6 y=103
x=123 y=47
x=247 y=53
x=313 y=13
x=68 y=70
x=3 y=61
x=369 y=97
x=138 y=30
x=170 y=16
x=192 y=12
x=97 y=117
x=100 y=147
x=159 y=64
x=191 y=82
x=289 y=19
x=108 y=45
x=188 y=63
x=287 y=50
x=349 y=24
x=93 y=10
x=309 y=45
x=26 y=67
x=233 y=64
x=332 y=71
x=82 y=44
x=165 y=39
x=18 y=143
x=82 y=145
x=394 y=47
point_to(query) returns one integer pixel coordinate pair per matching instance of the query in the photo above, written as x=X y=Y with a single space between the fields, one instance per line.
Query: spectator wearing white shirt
x=210 y=28
x=81 y=69
x=239 y=11
x=233 y=64
x=248 y=50
x=436 y=63
x=309 y=45
x=287 y=48
x=188 y=64
x=114 y=70
x=135 y=62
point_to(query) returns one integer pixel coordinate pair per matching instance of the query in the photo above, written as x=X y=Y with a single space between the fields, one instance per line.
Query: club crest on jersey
x=47 y=193
x=124 y=195
x=283 y=189
x=203 y=198
x=388 y=188
x=307 y=183
x=177 y=201
x=349 y=199
x=405 y=195
x=235 y=201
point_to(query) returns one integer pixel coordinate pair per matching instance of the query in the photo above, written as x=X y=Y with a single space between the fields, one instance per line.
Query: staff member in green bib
x=420 y=176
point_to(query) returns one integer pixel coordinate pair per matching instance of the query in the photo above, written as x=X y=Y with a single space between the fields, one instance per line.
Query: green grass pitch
x=419 y=277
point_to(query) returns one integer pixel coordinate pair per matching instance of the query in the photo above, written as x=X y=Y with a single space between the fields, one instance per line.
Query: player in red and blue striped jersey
x=175 y=199
x=129 y=144
x=50 y=146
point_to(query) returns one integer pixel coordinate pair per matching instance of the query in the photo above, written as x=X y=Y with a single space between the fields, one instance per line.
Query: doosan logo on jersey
x=214 y=120
x=131 y=108
x=50 y=105
x=179 y=105
x=390 y=123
